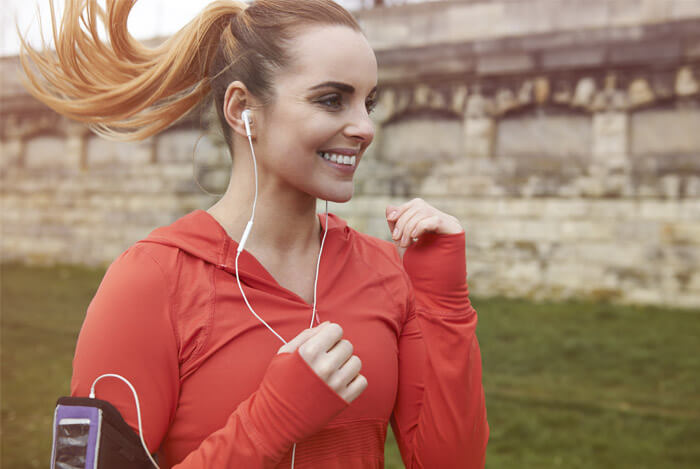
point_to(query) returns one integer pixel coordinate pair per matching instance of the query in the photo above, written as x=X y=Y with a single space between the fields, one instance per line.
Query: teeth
x=341 y=159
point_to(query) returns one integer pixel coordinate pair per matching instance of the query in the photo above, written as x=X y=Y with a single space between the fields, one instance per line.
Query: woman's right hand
x=331 y=358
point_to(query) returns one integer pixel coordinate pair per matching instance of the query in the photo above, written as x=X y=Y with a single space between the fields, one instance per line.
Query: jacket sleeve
x=439 y=418
x=129 y=330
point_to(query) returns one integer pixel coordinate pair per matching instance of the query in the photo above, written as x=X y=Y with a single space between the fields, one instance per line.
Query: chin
x=341 y=200
x=337 y=196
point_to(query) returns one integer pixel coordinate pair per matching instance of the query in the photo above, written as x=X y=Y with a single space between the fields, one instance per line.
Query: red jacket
x=214 y=393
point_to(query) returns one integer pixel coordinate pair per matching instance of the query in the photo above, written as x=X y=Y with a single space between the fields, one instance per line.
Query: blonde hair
x=126 y=91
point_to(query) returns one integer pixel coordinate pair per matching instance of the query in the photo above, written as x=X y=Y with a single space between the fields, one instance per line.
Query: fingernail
x=392 y=215
x=396 y=232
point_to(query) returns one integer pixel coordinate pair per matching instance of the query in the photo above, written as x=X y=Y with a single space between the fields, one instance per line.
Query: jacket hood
x=199 y=234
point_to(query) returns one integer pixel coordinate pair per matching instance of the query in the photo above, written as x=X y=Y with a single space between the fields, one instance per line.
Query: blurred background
x=564 y=134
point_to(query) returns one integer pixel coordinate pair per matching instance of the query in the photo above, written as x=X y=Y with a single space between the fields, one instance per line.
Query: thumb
x=296 y=342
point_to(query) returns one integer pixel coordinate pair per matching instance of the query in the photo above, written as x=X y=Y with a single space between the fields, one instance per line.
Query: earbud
x=246 y=119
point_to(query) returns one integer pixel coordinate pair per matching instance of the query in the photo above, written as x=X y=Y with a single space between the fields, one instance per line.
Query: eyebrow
x=340 y=86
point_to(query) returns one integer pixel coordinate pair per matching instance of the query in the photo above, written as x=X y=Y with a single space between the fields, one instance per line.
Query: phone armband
x=91 y=434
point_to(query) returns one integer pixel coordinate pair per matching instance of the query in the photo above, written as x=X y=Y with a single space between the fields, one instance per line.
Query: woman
x=173 y=312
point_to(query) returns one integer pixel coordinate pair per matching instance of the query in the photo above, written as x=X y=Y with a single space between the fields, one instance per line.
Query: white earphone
x=246 y=119
x=245 y=115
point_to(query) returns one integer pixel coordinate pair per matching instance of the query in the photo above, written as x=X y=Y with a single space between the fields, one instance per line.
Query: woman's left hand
x=409 y=221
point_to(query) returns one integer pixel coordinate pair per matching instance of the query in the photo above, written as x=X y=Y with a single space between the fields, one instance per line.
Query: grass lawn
x=570 y=385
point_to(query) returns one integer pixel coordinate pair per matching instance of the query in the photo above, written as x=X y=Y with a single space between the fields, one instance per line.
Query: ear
x=236 y=100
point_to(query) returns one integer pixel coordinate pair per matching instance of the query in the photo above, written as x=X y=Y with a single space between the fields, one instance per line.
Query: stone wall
x=564 y=134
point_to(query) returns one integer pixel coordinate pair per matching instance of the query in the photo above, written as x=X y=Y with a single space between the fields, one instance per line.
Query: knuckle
x=307 y=351
x=348 y=346
x=336 y=329
x=324 y=369
x=361 y=381
x=358 y=361
x=335 y=385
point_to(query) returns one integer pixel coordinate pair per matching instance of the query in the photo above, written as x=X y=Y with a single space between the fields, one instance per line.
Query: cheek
x=294 y=156
x=320 y=133
x=300 y=137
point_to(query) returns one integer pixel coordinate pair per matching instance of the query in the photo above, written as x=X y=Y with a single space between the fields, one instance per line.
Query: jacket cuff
x=437 y=267
x=292 y=403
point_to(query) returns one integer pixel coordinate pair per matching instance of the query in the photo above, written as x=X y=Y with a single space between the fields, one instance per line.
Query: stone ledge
x=468 y=20
x=632 y=45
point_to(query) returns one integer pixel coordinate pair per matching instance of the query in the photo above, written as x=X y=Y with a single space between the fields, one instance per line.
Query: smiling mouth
x=338 y=159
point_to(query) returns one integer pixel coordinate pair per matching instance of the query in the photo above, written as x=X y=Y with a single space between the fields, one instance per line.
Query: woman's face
x=322 y=104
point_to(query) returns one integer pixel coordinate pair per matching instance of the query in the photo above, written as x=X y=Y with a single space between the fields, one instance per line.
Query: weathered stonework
x=564 y=134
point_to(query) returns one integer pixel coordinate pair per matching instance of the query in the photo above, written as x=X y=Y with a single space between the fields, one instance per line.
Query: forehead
x=325 y=53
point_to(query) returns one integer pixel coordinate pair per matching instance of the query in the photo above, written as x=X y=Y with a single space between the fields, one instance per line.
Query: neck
x=285 y=218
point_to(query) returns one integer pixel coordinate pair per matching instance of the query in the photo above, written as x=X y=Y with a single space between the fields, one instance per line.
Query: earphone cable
x=318 y=265
x=138 y=408
x=244 y=237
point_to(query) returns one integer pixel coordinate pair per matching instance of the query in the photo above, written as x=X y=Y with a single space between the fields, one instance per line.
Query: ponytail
x=124 y=90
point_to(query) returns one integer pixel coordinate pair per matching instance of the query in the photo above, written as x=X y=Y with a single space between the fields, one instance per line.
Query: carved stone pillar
x=610 y=130
x=76 y=139
x=610 y=142
x=479 y=128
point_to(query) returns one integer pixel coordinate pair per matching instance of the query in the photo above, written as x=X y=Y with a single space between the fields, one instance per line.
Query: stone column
x=479 y=128
x=12 y=145
x=610 y=140
x=76 y=134
x=610 y=164
x=11 y=153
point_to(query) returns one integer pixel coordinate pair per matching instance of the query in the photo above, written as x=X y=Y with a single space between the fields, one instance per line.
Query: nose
x=360 y=127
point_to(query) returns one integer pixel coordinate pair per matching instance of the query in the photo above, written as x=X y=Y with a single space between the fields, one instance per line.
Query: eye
x=371 y=104
x=333 y=101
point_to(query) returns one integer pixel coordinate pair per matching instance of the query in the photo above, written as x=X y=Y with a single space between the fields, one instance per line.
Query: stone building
x=564 y=134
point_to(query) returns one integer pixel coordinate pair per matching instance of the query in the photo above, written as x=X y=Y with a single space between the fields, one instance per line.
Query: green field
x=568 y=385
